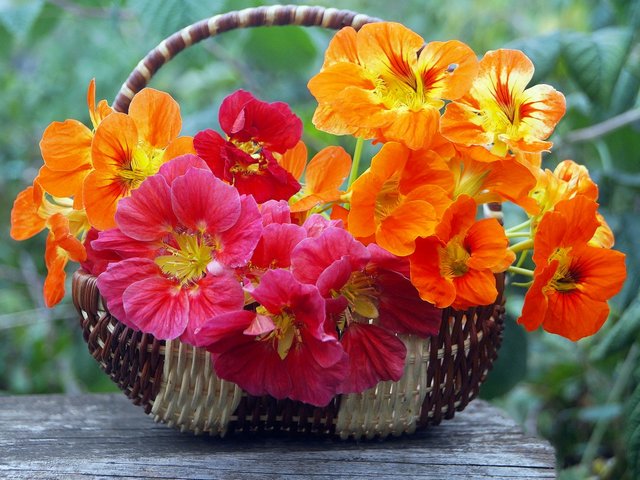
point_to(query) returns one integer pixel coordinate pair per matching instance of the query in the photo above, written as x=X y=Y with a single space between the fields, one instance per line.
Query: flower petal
x=157 y=117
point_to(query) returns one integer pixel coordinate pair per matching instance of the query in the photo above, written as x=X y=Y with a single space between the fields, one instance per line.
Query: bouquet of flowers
x=300 y=276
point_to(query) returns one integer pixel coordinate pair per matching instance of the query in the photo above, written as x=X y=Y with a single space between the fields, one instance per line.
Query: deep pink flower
x=255 y=130
x=280 y=349
x=367 y=303
x=179 y=235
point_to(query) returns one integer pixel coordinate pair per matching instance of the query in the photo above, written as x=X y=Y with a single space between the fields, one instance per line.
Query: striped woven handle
x=330 y=18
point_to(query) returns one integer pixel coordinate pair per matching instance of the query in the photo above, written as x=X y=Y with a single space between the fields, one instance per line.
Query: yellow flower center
x=564 y=280
x=388 y=198
x=285 y=332
x=467 y=181
x=188 y=261
x=145 y=161
x=407 y=90
x=78 y=222
x=453 y=259
x=362 y=295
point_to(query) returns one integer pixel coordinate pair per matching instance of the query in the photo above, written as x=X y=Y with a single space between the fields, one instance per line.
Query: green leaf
x=622 y=334
x=596 y=59
x=18 y=16
x=633 y=433
x=166 y=17
x=280 y=49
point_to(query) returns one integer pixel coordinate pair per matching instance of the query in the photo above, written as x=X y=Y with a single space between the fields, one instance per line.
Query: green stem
x=523 y=257
x=357 y=153
x=519 y=227
x=518 y=234
x=626 y=373
x=520 y=271
x=520 y=246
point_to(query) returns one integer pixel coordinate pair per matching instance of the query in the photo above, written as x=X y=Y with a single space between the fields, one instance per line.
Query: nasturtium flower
x=500 y=111
x=280 y=349
x=573 y=279
x=400 y=197
x=255 y=132
x=455 y=266
x=368 y=302
x=128 y=148
x=33 y=211
x=180 y=236
x=66 y=151
x=384 y=83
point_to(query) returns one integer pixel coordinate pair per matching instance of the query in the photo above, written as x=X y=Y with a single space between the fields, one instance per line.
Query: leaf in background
x=595 y=59
x=164 y=18
x=623 y=333
x=543 y=51
x=45 y=22
x=633 y=433
x=18 y=16
x=625 y=92
x=280 y=49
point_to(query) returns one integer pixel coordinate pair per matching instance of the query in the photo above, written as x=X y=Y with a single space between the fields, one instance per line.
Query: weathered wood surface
x=104 y=436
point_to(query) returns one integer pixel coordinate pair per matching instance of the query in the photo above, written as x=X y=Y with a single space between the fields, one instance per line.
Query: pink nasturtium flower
x=180 y=234
x=255 y=131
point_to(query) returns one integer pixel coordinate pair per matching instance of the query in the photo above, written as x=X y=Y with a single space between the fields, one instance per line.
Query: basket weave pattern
x=175 y=382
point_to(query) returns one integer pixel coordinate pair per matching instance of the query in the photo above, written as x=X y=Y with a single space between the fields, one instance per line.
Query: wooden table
x=104 y=436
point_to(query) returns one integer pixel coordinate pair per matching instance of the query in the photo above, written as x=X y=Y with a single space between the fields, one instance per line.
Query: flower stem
x=520 y=246
x=520 y=271
x=519 y=227
x=518 y=234
x=357 y=153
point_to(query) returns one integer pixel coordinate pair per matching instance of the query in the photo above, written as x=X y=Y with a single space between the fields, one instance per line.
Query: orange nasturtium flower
x=324 y=175
x=127 y=148
x=384 y=83
x=456 y=265
x=33 y=211
x=499 y=110
x=573 y=279
x=66 y=151
x=400 y=197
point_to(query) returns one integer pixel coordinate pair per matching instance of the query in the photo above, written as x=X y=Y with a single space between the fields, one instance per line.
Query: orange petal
x=476 y=287
x=25 y=221
x=574 y=315
x=114 y=142
x=536 y=302
x=327 y=170
x=102 y=190
x=398 y=231
x=59 y=226
x=363 y=205
x=342 y=48
x=487 y=243
x=66 y=146
x=179 y=146
x=55 y=260
x=601 y=272
x=447 y=68
x=157 y=117
x=426 y=276
x=604 y=235
x=294 y=160
x=63 y=183
x=461 y=124
x=415 y=129
x=457 y=219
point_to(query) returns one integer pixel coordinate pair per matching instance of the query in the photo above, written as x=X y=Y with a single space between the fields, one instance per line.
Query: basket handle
x=330 y=18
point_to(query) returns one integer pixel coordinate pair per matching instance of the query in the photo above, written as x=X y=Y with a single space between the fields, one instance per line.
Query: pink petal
x=316 y=224
x=209 y=145
x=313 y=255
x=239 y=241
x=113 y=282
x=335 y=276
x=179 y=166
x=203 y=202
x=261 y=324
x=97 y=261
x=374 y=355
x=147 y=215
x=113 y=241
x=276 y=244
x=275 y=211
x=215 y=331
x=213 y=296
x=158 y=306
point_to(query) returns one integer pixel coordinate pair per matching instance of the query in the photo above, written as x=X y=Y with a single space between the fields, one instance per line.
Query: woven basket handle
x=251 y=17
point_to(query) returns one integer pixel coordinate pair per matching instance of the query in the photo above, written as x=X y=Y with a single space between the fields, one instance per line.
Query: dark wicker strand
x=252 y=17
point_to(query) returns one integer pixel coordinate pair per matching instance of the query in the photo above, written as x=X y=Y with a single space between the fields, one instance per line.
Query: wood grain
x=104 y=436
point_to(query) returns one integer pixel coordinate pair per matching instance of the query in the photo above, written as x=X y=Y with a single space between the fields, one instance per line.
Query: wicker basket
x=175 y=382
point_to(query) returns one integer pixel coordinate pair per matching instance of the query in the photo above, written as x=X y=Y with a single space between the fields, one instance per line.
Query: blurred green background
x=584 y=397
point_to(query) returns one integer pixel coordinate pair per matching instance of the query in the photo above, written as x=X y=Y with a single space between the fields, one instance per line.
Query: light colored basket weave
x=175 y=382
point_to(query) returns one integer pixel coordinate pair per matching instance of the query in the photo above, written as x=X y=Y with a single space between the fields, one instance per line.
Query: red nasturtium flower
x=368 y=302
x=400 y=198
x=572 y=280
x=499 y=111
x=127 y=148
x=180 y=235
x=281 y=349
x=384 y=83
x=33 y=211
x=255 y=130
x=66 y=151
x=456 y=265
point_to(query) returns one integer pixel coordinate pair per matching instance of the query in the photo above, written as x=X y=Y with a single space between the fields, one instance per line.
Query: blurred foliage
x=583 y=397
